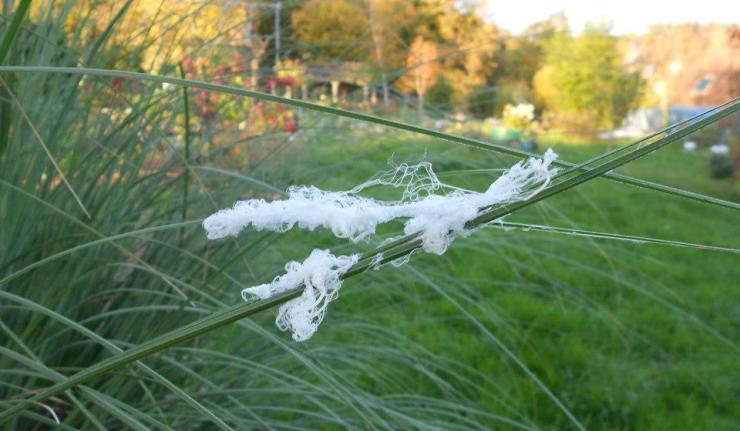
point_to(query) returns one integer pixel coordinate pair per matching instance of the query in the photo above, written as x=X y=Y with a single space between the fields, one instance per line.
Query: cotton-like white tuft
x=439 y=218
x=321 y=275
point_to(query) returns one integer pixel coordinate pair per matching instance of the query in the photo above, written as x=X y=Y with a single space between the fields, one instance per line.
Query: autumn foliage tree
x=422 y=70
x=469 y=51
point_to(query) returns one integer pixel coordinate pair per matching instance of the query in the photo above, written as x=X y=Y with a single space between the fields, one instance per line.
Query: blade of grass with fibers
x=404 y=247
x=362 y=117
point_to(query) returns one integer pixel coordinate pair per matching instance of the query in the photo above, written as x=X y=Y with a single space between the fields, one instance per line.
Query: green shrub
x=482 y=102
x=721 y=166
x=439 y=98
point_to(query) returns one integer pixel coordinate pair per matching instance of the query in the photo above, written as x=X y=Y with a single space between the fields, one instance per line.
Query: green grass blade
x=71 y=90
x=33 y=358
x=500 y=345
x=50 y=374
x=5 y=105
x=116 y=350
x=358 y=116
x=103 y=240
x=45 y=147
x=186 y=161
x=616 y=236
x=93 y=51
x=13 y=28
x=667 y=138
x=157 y=344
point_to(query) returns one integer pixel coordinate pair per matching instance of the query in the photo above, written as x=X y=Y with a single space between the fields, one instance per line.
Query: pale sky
x=627 y=16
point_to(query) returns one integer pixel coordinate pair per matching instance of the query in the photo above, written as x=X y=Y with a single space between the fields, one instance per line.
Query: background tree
x=468 y=57
x=331 y=30
x=583 y=81
x=518 y=60
x=422 y=67
x=388 y=20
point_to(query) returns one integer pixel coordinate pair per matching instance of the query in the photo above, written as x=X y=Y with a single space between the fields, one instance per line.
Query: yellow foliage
x=158 y=32
x=292 y=69
x=542 y=82
x=469 y=58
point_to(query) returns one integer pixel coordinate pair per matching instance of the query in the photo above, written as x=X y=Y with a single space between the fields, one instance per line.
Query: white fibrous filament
x=320 y=274
x=438 y=217
x=435 y=211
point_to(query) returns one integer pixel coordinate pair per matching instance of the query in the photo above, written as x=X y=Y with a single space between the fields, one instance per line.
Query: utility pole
x=257 y=44
x=278 y=6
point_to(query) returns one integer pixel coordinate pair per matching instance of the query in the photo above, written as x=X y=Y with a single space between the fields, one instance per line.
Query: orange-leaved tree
x=422 y=69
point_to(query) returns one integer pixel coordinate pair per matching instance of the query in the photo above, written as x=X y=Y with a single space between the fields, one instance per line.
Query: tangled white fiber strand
x=438 y=218
x=320 y=274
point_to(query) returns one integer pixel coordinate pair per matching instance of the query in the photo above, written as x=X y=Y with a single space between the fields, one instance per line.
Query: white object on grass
x=321 y=275
x=689 y=146
x=438 y=218
x=719 y=149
